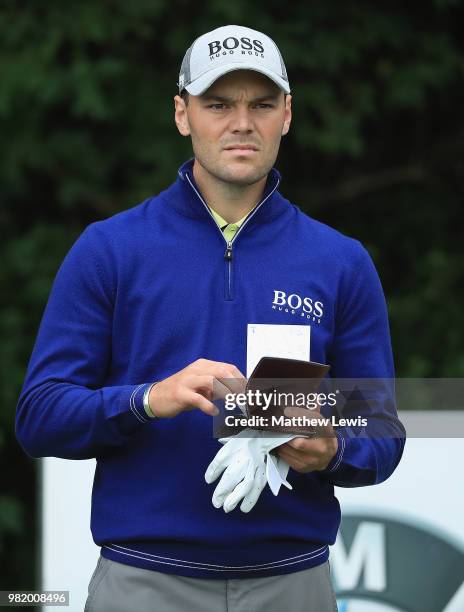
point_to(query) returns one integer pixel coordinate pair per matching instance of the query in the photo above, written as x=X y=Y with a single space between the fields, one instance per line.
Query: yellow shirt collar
x=221 y=221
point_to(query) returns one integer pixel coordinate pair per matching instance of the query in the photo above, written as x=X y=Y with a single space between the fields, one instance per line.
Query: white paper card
x=265 y=340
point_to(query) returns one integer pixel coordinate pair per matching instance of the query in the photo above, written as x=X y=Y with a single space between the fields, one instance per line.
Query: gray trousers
x=116 y=587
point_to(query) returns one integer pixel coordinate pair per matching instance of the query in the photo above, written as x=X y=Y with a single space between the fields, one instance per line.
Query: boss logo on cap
x=230 y=44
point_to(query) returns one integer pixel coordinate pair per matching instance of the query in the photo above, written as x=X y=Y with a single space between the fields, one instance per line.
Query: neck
x=229 y=200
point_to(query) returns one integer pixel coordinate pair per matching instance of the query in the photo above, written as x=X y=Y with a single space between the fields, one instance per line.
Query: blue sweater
x=144 y=293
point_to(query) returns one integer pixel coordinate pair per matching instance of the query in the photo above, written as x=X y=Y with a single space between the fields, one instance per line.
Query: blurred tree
x=375 y=150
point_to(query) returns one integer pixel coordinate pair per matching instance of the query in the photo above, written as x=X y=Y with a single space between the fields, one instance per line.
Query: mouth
x=241 y=148
x=246 y=150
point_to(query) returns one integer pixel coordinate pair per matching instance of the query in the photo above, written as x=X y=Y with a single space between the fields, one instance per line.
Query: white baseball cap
x=229 y=48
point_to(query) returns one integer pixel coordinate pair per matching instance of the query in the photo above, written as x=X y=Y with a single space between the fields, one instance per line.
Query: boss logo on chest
x=294 y=304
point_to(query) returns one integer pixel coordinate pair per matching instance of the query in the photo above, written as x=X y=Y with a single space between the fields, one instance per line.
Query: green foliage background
x=376 y=149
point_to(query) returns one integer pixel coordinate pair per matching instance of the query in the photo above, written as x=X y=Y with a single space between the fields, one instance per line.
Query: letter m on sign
x=365 y=558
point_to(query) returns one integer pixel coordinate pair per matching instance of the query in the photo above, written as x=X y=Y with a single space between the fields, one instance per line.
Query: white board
x=427 y=491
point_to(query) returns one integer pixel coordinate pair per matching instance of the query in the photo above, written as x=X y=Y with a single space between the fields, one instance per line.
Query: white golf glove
x=247 y=464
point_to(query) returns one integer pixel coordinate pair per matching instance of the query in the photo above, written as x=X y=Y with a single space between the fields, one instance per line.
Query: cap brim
x=200 y=85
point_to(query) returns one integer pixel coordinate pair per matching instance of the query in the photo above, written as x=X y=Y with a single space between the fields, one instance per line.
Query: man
x=163 y=293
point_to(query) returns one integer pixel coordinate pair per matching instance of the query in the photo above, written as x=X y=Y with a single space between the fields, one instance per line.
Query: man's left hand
x=309 y=454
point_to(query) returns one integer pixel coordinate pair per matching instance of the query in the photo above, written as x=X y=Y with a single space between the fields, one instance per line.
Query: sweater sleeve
x=362 y=350
x=64 y=408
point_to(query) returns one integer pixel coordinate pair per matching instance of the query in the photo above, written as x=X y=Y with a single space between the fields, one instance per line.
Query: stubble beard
x=227 y=174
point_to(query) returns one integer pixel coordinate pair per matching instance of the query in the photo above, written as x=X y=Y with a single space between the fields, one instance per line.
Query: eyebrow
x=225 y=99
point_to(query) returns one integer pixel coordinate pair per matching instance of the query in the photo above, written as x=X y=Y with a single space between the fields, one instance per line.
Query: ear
x=287 y=114
x=181 y=117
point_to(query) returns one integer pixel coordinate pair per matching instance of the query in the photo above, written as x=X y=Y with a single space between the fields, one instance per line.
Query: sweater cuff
x=338 y=457
x=136 y=402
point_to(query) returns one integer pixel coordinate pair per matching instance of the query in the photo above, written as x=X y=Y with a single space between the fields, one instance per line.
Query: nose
x=241 y=121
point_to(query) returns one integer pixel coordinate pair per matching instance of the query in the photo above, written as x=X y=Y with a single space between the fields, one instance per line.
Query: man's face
x=236 y=126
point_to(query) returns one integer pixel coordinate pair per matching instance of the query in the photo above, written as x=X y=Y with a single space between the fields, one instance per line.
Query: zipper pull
x=228 y=253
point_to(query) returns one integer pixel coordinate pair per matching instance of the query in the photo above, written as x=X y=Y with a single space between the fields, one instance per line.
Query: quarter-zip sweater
x=142 y=294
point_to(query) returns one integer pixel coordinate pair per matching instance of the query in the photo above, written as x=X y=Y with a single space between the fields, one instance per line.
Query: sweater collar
x=188 y=200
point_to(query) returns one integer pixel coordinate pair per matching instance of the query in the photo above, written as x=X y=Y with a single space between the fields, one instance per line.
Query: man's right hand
x=192 y=388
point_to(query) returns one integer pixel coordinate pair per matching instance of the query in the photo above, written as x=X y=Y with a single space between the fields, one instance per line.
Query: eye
x=217 y=106
x=264 y=105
